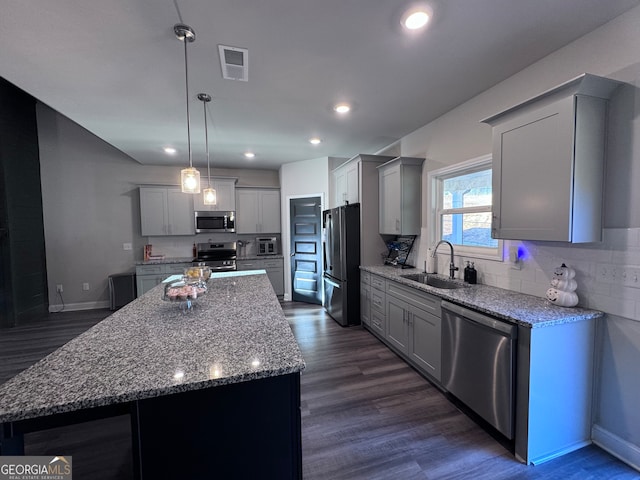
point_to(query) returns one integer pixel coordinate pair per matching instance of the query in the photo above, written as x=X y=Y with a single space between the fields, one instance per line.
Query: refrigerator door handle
x=332 y=283
x=324 y=256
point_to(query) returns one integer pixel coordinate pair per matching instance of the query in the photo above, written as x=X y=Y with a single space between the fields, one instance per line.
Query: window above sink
x=461 y=208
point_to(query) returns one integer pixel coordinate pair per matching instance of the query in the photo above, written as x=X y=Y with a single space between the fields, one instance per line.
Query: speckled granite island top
x=236 y=332
x=526 y=310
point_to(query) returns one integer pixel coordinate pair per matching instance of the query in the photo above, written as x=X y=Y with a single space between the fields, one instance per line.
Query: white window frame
x=435 y=208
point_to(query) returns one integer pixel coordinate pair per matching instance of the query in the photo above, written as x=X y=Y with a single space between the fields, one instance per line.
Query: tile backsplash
x=607 y=273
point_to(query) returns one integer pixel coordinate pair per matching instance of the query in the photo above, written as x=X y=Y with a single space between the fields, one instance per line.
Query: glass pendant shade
x=190 y=180
x=189 y=177
x=210 y=196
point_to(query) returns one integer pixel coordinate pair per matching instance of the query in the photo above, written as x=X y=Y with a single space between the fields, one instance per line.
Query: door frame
x=286 y=240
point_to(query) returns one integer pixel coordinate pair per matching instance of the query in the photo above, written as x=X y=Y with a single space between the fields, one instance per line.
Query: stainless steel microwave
x=208 y=221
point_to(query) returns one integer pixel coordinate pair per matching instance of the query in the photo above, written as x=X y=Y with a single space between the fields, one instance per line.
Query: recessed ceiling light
x=249 y=154
x=342 y=108
x=169 y=150
x=315 y=141
x=417 y=17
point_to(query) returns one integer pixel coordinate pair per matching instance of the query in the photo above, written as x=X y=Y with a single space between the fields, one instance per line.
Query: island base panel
x=244 y=430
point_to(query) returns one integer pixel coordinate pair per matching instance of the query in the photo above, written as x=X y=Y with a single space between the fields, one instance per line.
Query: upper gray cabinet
x=400 y=183
x=225 y=193
x=257 y=210
x=356 y=181
x=548 y=163
x=166 y=211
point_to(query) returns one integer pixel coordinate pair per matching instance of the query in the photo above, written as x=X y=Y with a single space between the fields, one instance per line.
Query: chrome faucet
x=452 y=267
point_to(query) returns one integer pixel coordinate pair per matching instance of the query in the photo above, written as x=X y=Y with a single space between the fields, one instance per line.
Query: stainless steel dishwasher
x=478 y=364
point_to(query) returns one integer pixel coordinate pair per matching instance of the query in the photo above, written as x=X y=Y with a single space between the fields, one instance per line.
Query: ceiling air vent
x=234 y=62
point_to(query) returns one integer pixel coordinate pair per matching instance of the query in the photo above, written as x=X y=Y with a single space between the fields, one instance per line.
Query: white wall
x=299 y=179
x=91 y=207
x=610 y=51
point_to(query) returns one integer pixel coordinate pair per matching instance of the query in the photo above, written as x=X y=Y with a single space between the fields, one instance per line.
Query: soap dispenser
x=467 y=269
x=473 y=274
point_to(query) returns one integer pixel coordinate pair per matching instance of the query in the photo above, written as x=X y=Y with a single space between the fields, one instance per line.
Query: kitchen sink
x=433 y=281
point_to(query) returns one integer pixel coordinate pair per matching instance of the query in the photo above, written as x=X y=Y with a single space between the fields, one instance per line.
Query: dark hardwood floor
x=365 y=414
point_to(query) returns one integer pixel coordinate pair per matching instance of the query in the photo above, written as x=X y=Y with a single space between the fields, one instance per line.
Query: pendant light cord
x=206 y=140
x=186 y=77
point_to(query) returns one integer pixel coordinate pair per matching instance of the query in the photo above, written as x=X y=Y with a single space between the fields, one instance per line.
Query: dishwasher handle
x=506 y=328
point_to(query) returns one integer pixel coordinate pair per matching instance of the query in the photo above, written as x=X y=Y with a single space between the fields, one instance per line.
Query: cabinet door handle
x=397 y=225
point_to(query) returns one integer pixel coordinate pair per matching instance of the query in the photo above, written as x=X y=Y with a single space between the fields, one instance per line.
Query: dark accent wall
x=23 y=275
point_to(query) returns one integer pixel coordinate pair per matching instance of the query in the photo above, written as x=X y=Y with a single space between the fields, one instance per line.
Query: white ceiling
x=116 y=68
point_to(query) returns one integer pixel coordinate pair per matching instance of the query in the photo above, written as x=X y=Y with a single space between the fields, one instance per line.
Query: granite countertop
x=525 y=310
x=165 y=260
x=236 y=332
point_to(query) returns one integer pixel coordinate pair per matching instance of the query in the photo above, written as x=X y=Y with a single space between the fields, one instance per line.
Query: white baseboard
x=558 y=453
x=616 y=446
x=72 y=307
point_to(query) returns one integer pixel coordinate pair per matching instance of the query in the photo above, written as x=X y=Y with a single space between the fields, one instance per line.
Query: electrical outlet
x=59 y=288
x=85 y=286
x=126 y=246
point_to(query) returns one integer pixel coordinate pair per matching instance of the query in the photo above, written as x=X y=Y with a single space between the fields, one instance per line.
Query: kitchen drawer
x=150 y=269
x=378 y=282
x=273 y=263
x=378 y=299
x=378 y=321
x=417 y=298
x=365 y=278
x=249 y=264
x=175 y=268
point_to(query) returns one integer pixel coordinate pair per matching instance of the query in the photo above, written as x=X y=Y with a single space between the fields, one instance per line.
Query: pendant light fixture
x=210 y=197
x=189 y=177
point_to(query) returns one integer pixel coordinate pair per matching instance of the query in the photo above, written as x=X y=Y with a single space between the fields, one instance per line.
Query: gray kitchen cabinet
x=356 y=181
x=414 y=327
x=346 y=184
x=274 y=268
x=378 y=306
x=148 y=276
x=244 y=265
x=424 y=342
x=165 y=211
x=257 y=210
x=275 y=271
x=225 y=194
x=548 y=163
x=365 y=298
x=397 y=324
x=400 y=183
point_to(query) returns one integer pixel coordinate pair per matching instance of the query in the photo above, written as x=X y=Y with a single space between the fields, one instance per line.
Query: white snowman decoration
x=563 y=286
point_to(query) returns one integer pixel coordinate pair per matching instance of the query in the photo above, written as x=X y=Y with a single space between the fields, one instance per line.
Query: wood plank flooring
x=365 y=414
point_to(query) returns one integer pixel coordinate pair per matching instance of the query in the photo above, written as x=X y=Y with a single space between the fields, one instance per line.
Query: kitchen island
x=214 y=389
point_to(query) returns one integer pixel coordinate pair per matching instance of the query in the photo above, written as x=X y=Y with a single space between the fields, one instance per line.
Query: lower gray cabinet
x=397 y=324
x=365 y=298
x=414 y=327
x=148 y=276
x=273 y=266
x=425 y=342
x=406 y=319
x=378 y=304
x=275 y=271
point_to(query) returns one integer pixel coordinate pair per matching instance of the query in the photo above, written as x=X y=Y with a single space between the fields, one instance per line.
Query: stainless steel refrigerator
x=341 y=276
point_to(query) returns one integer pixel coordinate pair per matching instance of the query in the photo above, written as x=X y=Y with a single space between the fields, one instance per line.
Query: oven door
x=218 y=265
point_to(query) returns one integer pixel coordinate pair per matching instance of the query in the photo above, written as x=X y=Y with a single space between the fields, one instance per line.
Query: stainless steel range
x=218 y=256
